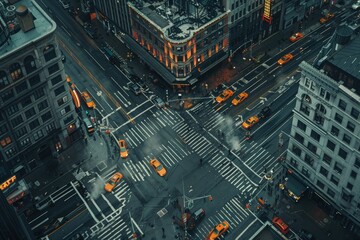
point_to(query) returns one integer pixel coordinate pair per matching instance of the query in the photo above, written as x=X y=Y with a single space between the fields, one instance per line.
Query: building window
x=327 y=159
x=330 y=145
x=338 y=168
x=312 y=147
x=296 y=151
x=30 y=113
x=305 y=171
x=349 y=186
x=3 y=79
x=51 y=127
x=34 y=124
x=301 y=125
x=68 y=119
x=53 y=68
x=315 y=135
x=17 y=121
x=309 y=160
x=334 y=180
x=25 y=142
x=7 y=95
x=56 y=80
x=342 y=153
x=5 y=141
x=42 y=105
x=29 y=64
x=39 y=93
x=21 y=132
x=293 y=162
x=21 y=87
x=15 y=71
x=62 y=100
x=357 y=163
x=350 y=126
x=353 y=174
x=331 y=193
x=26 y=101
x=320 y=184
x=299 y=138
x=324 y=172
x=49 y=53
x=59 y=90
x=355 y=113
x=11 y=152
x=346 y=138
x=338 y=118
x=305 y=104
x=3 y=129
x=342 y=104
x=12 y=109
x=335 y=131
x=34 y=80
x=46 y=116
x=38 y=134
x=320 y=112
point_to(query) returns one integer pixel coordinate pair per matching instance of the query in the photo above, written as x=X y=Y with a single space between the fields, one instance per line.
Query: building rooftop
x=18 y=39
x=177 y=23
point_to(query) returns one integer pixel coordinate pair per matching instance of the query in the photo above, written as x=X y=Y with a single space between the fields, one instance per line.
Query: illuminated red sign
x=7 y=183
x=267 y=11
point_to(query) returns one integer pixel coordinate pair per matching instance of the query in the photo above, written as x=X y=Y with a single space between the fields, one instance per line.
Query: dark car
x=135 y=88
x=265 y=112
x=159 y=102
x=191 y=220
x=143 y=86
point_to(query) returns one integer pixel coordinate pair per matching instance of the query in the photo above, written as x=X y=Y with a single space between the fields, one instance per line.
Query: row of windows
x=24 y=143
x=355 y=113
x=15 y=71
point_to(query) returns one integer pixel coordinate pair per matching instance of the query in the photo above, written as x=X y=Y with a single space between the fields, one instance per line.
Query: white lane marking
x=44 y=221
x=94 y=60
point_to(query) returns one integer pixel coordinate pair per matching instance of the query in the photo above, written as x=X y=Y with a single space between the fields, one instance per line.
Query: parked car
x=218 y=230
x=88 y=125
x=134 y=88
x=87 y=99
x=113 y=181
x=281 y=225
x=158 y=167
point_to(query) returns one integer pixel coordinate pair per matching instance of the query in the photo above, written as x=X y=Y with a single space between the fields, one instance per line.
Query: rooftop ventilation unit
x=25 y=18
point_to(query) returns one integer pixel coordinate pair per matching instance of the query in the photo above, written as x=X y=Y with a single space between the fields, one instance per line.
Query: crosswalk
x=216 y=158
x=112 y=222
x=168 y=154
x=232 y=212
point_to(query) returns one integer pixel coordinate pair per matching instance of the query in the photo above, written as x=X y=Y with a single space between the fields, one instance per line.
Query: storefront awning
x=295 y=186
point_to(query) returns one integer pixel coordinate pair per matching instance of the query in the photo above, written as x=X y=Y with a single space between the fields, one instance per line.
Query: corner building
x=179 y=41
x=324 y=146
x=37 y=117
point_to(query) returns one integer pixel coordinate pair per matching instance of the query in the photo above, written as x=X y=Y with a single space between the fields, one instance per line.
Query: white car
x=356 y=5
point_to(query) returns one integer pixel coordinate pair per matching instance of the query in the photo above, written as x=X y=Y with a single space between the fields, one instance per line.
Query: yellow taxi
x=285 y=59
x=239 y=98
x=249 y=123
x=327 y=18
x=218 y=230
x=296 y=36
x=225 y=95
x=158 y=167
x=123 y=149
x=86 y=97
x=113 y=181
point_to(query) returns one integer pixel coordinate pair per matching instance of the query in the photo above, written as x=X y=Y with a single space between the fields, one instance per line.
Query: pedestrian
x=201 y=161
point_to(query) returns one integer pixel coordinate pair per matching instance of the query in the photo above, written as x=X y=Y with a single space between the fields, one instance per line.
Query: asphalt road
x=232 y=168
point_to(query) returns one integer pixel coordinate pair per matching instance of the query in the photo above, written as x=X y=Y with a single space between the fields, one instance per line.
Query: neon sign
x=7 y=183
